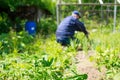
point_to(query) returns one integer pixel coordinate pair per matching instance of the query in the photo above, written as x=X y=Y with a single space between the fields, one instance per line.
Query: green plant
x=46 y=26
x=106 y=46
x=14 y=42
x=12 y=5
x=4 y=23
x=37 y=61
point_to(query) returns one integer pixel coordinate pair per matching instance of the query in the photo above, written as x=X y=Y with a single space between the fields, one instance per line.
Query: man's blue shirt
x=68 y=26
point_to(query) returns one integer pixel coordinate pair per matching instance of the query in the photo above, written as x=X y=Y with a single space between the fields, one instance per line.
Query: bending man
x=66 y=29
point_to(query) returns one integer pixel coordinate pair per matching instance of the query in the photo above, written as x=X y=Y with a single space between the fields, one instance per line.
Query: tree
x=44 y=4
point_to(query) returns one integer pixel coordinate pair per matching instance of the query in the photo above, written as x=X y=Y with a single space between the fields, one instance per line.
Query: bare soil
x=85 y=66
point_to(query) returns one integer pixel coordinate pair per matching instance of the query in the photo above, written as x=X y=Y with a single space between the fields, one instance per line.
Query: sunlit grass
x=33 y=54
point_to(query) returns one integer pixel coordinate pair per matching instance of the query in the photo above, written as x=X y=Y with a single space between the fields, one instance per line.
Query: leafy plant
x=14 y=43
x=4 y=23
x=12 y=5
x=107 y=52
x=37 y=60
x=46 y=26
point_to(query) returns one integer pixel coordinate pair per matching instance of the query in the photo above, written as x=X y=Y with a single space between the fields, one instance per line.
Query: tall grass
x=40 y=58
x=26 y=57
x=106 y=44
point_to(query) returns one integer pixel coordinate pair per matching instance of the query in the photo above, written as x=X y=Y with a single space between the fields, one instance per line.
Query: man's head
x=76 y=14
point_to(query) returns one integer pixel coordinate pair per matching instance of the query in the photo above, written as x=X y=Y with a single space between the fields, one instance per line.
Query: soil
x=85 y=66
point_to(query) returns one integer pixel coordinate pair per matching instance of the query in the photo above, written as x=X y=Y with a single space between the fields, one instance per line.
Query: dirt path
x=84 y=65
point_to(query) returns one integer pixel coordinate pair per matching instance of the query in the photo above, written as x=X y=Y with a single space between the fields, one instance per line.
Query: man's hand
x=87 y=35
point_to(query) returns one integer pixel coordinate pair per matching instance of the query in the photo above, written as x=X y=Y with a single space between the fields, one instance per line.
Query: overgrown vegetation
x=24 y=57
x=27 y=57
x=46 y=26
x=107 y=52
x=12 y=5
x=9 y=15
x=4 y=23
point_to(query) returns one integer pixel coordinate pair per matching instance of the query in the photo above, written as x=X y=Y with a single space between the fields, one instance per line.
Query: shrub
x=14 y=42
x=4 y=23
x=46 y=26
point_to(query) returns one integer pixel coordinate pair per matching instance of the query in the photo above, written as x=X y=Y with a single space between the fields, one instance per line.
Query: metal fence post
x=115 y=12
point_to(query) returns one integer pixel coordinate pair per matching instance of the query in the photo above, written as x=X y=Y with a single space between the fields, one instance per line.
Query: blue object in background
x=30 y=27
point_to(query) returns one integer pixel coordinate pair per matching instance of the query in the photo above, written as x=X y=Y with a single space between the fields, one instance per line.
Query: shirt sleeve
x=81 y=27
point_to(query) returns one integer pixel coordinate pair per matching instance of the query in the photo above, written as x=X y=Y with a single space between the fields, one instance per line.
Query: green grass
x=106 y=45
x=24 y=57
x=39 y=58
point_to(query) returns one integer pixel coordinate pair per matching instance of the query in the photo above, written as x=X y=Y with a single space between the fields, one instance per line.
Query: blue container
x=30 y=27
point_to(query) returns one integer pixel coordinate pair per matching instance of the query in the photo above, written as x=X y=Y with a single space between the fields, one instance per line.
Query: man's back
x=67 y=27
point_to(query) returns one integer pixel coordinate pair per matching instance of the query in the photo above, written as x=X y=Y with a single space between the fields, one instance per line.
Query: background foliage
x=13 y=4
x=26 y=57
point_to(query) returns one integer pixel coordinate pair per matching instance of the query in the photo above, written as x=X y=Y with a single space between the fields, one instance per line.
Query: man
x=66 y=29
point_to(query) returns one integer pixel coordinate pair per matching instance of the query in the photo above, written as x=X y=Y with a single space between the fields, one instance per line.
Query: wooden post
x=101 y=2
x=115 y=10
x=118 y=1
x=58 y=11
x=79 y=1
x=102 y=12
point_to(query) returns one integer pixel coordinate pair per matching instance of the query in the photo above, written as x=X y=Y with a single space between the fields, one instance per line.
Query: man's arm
x=82 y=28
